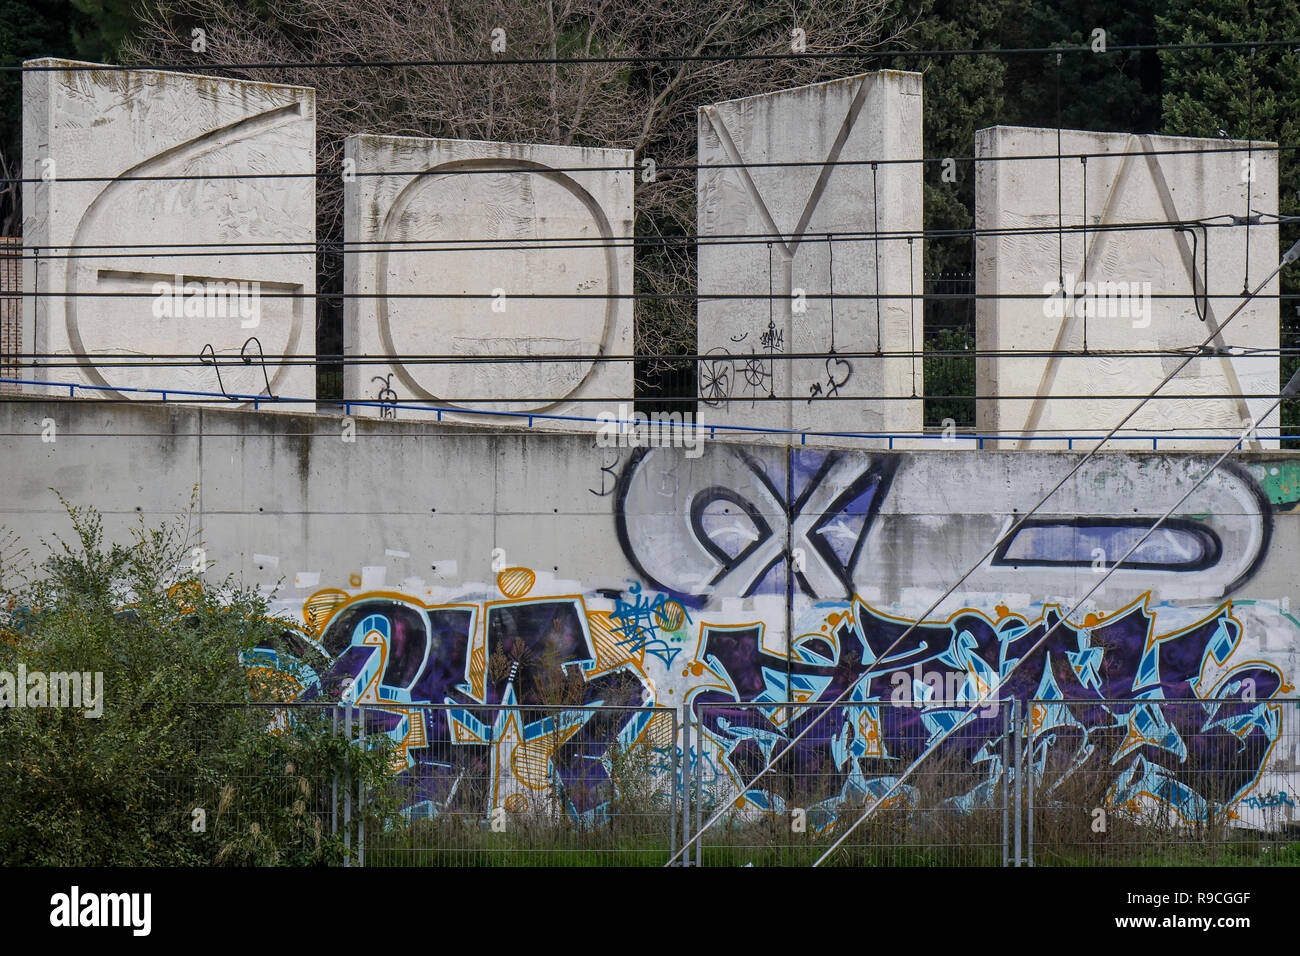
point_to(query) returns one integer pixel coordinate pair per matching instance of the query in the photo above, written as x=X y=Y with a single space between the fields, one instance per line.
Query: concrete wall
x=854 y=122
x=1183 y=284
x=414 y=553
x=164 y=162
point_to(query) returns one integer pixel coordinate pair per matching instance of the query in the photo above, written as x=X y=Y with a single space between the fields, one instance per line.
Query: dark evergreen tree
x=1245 y=93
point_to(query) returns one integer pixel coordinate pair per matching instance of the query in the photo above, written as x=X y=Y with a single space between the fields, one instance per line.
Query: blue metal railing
x=185 y=395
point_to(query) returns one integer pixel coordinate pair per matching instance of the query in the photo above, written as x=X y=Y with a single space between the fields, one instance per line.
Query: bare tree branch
x=648 y=106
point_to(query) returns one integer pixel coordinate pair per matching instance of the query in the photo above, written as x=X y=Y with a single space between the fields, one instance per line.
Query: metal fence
x=847 y=758
x=529 y=785
x=1044 y=782
x=464 y=785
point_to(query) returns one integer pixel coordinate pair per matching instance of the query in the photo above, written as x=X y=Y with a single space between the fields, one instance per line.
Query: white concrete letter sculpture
x=1108 y=277
x=766 y=227
x=468 y=253
x=157 y=222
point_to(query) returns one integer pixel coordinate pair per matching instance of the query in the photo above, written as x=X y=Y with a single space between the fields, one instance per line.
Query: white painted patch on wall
x=443 y=568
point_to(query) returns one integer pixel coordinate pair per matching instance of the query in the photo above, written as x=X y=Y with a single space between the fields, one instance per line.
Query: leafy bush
x=190 y=762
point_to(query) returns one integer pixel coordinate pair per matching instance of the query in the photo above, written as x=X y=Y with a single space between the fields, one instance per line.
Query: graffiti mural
x=762 y=584
x=843 y=518
x=1102 y=690
x=522 y=673
x=741 y=529
x=491 y=659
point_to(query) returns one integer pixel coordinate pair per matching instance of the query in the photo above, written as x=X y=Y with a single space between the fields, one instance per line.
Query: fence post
x=1029 y=784
x=1015 y=723
x=699 y=789
x=361 y=795
x=334 y=779
x=685 y=782
x=672 y=789
x=347 y=788
x=488 y=783
x=1006 y=783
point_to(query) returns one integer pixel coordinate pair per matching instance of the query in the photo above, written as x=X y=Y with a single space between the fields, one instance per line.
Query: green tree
x=949 y=376
x=179 y=730
x=101 y=27
x=962 y=94
x=1247 y=93
x=966 y=93
x=79 y=29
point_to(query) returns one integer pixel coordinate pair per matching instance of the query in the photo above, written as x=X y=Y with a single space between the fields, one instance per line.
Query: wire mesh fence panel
x=339 y=784
x=950 y=812
x=1165 y=782
x=1045 y=782
x=277 y=798
x=498 y=785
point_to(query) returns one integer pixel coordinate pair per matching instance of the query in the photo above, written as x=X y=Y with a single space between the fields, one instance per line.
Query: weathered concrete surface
x=895 y=528
x=1124 y=184
x=450 y=218
x=854 y=121
x=418 y=555
x=172 y=160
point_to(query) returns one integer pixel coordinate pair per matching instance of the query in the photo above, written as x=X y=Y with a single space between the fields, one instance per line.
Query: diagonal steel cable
x=1289 y=257
x=1291 y=388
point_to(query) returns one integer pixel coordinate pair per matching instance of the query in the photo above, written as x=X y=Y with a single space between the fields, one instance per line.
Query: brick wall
x=11 y=311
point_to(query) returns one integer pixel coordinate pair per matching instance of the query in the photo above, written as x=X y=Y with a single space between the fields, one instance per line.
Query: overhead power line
x=1288 y=258
x=66 y=251
x=1246 y=146
x=1291 y=389
x=498 y=61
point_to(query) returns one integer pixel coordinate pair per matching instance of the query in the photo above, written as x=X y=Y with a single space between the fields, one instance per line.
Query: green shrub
x=185 y=727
